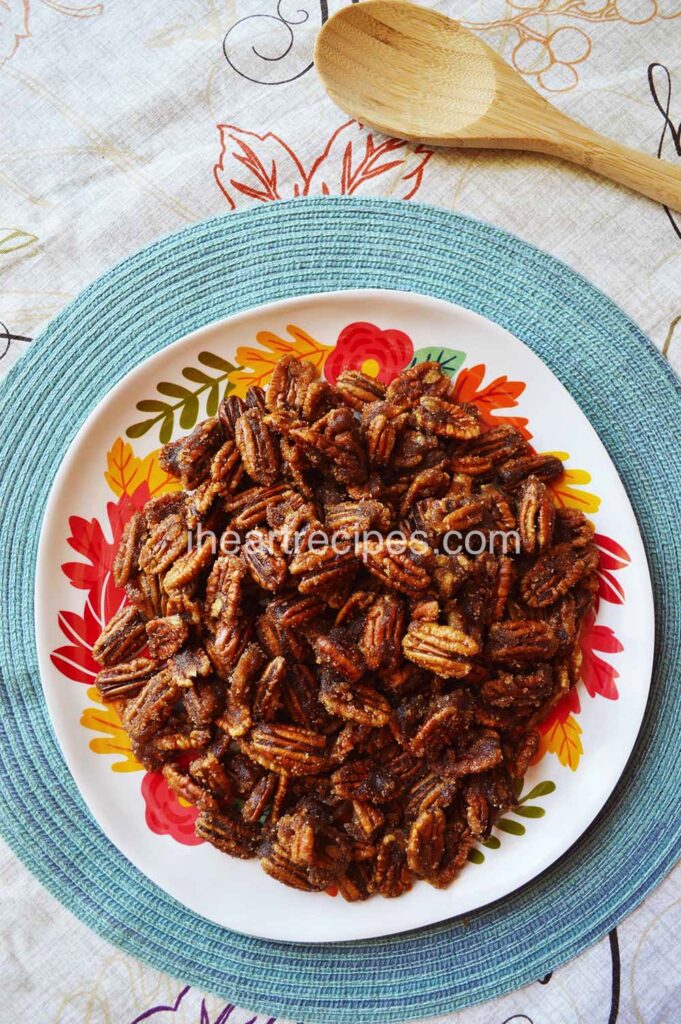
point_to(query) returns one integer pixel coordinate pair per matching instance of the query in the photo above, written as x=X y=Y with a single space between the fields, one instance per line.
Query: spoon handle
x=657 y=179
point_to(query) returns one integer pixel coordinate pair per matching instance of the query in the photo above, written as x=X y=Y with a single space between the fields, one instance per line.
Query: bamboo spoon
x=417 y=74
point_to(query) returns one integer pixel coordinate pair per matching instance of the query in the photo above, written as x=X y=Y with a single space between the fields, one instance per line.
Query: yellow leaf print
x=104 y=719
x=567 y=490
x=562 y=739
x=125 y=472
x=256 y=364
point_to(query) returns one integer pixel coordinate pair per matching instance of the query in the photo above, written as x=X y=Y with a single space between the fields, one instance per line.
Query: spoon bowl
x=417 y=74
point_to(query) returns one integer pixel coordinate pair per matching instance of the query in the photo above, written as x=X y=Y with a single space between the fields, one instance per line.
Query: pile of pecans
x=341 y=695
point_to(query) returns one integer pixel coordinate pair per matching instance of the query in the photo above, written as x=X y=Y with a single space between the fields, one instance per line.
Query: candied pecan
x=125 y=562
x=519 y=754
x=267 y=692
x=358 y=390
x=479 y=755
x=383 y=631
x=265 y=560
x=492 y=448
x=357 y=703
x=520 y=643
x=300 y=697
x=412 y=450
x=227 y=469
x=323 y=569
x=427 y=483
x=190 y=458
x=287 y=749
x=519 y=689
x=224 y=590
x=445 y=715
x=555 y=572
x=381 y=426
x=457 y=845
x=237 y=719
x=123 y=635
x=336 y=438
x=573 y=527
x=167 y=541
x=122 y=681
x=406 y=390
x=229 y=411
x=164 y=506
x=536 y=515
x=253 y=505
x=144 y=592
x=477 y=809
x=275 y=861
x=209 y=771
x=258 y=447
x=453 y=512
x=354 y=884
x=188 y=665
x=166 y=635
x=392 y=875
x=188 y=789
x=202 y=702
x=440 y=649
x=353 y=517
x=260 y=798
x=543 y=467
x=403 y=570
x=426 y=843
x=338 y=652
x=364 y=779
x=447 y=419
x=152 y=707
x=227 y=833
x=367 y=819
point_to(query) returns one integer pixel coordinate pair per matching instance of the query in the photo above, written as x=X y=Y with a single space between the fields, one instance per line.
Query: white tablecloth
x=124 y=121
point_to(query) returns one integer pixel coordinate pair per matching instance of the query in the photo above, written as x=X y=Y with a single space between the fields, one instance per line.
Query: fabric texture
x=123 y=123
x=197 y=276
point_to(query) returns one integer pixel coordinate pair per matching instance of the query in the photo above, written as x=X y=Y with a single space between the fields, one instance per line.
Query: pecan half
x=444 y=650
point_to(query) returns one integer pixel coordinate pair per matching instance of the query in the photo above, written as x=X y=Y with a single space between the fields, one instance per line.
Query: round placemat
x=215 y=269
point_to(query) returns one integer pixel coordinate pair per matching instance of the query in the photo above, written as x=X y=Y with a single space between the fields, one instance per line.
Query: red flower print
x=379 y=353
x=164 y=814
x=265 y=167
x=502 y=393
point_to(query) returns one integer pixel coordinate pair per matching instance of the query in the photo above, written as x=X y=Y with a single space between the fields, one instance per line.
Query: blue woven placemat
x=210 y=271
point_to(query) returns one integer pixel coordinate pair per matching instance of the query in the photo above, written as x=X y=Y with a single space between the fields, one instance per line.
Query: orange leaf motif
x=126 y=472
x=567 y=489
x=104 y=719
x=256 y=364
x=562 y=739
x=502 y=393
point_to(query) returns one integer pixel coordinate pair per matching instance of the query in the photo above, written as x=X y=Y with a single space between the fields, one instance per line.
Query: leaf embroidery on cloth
x=263 y=168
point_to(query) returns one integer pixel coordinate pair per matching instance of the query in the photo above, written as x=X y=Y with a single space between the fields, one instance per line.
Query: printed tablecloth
x=123 y=122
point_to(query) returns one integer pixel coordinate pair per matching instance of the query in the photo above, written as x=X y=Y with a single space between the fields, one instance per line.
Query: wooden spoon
x=411 y=72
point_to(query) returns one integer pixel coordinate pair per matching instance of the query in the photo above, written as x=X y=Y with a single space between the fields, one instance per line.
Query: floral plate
x=112 y=468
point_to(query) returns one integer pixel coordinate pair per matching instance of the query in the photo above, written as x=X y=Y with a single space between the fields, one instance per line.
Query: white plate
x=135 y=810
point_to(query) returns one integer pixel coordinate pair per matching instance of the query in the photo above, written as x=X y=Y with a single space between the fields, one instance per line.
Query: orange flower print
x=262 y=168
